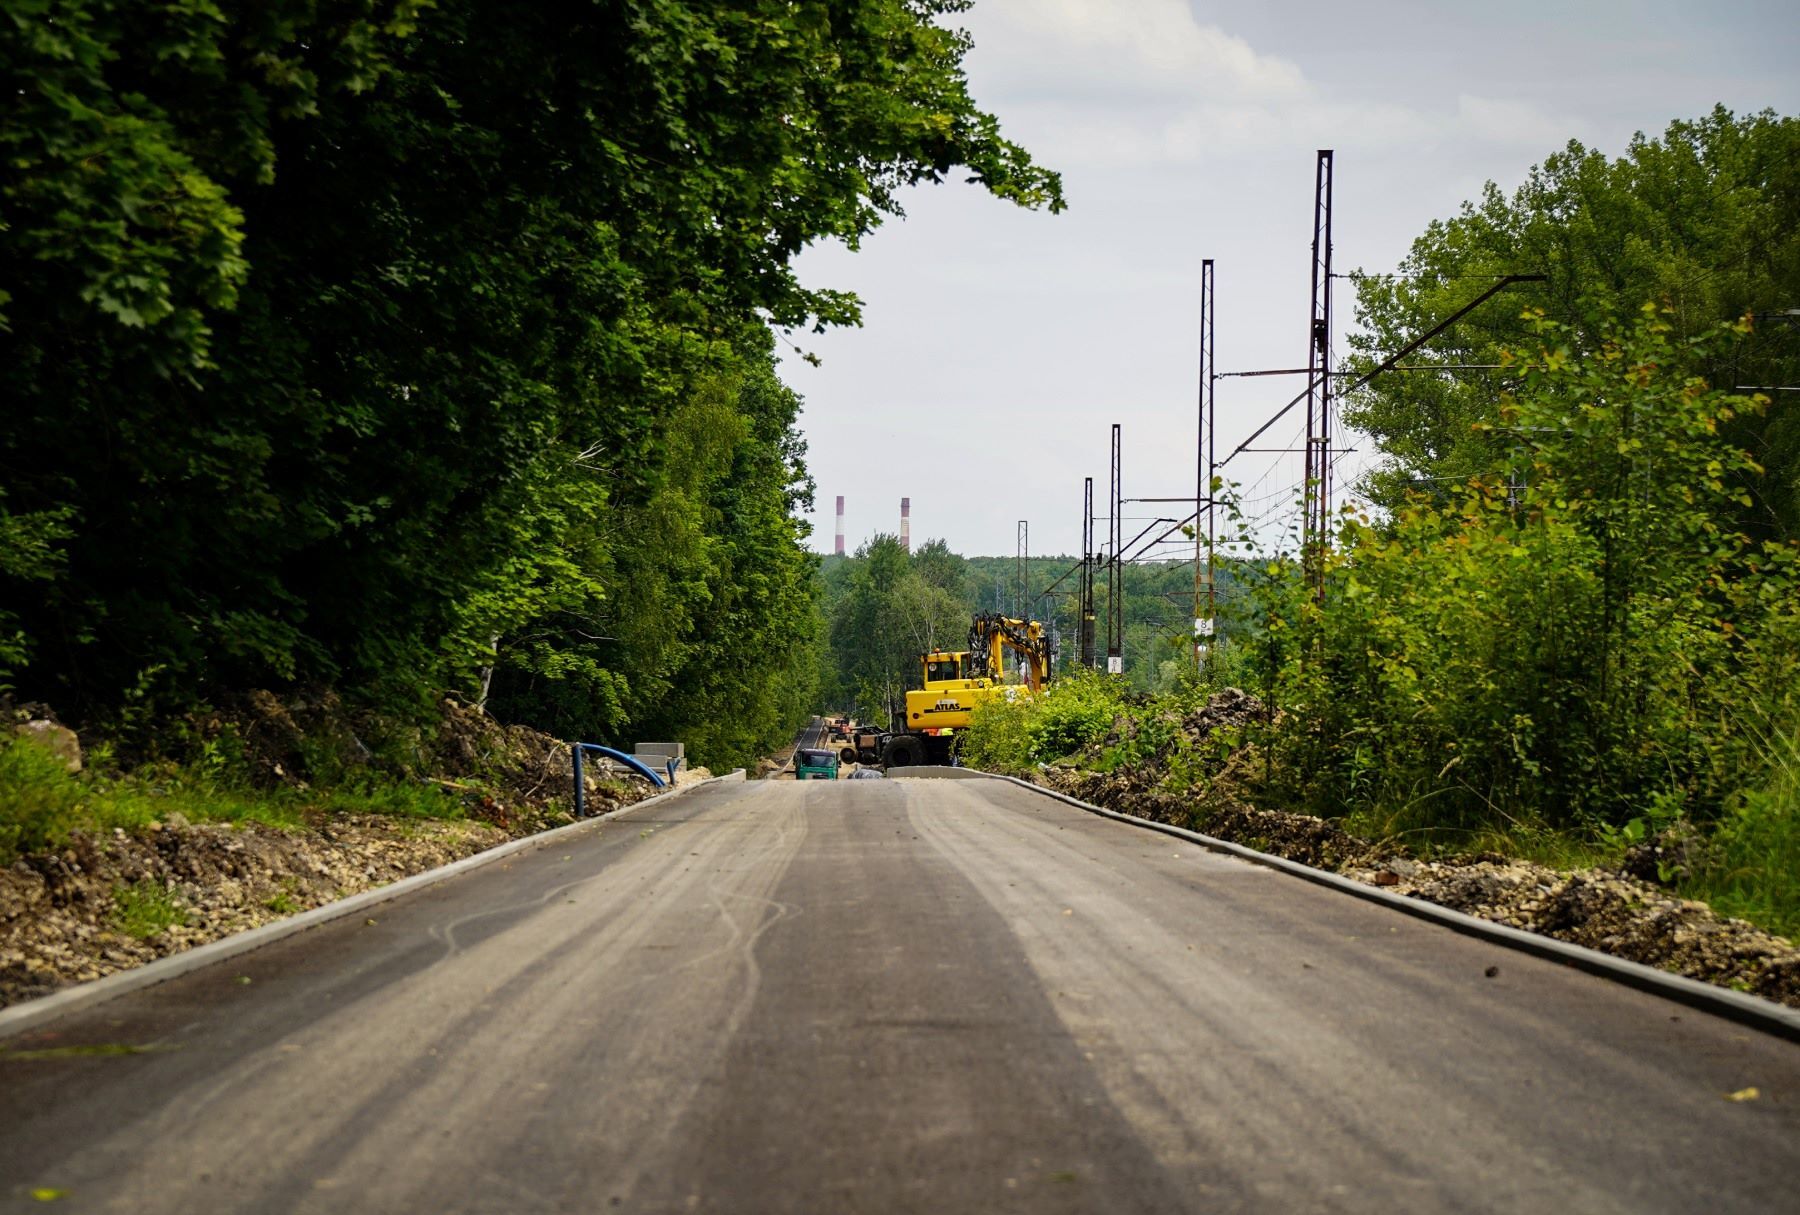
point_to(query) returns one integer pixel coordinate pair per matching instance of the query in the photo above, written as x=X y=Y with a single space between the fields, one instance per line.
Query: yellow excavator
x=956 y=681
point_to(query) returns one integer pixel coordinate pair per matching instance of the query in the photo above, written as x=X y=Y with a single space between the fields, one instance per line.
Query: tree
x=1704 y=220
x=889 y=614
x=1564 y=647
x=393 y=345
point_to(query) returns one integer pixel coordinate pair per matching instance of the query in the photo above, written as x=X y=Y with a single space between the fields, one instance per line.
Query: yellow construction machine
x=956 y=681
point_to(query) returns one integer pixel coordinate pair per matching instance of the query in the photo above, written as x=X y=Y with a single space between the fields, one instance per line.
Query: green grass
x=145 y=909
x=394 y=799
x=42 y=803
x=1754 y=868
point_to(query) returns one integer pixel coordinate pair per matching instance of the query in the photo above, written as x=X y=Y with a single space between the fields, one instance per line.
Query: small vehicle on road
x=810 y=764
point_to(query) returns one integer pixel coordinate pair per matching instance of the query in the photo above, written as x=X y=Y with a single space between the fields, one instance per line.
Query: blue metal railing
x=630 y=761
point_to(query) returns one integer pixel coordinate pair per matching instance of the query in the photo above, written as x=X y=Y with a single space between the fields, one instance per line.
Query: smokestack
x=840 y=526
x=906 y=524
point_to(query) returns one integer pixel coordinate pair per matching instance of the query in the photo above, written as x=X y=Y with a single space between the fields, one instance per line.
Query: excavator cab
x=942 y=668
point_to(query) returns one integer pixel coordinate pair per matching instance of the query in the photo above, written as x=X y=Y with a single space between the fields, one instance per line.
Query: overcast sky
x=999 y=345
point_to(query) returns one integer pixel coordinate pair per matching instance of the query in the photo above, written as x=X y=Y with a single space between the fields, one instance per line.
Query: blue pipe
x=630 y=761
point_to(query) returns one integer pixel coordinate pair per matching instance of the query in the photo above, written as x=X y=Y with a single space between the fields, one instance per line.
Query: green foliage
x=1756 y=853
x=1559 y=649
x=1705 y=219
x=146 y=908
x=1073 y=714
x=42 y=803
x=38 y=798
x=30 y=552
x=997 y=740
x=1750 y=865
x=1572 y=630
x=388 y=797
x=887 y=608
x=424 y=349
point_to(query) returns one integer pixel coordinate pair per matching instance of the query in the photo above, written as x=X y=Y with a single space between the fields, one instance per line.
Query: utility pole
x=1085 y=607
x=1204 y=594
x=1115 y=585
x=1022 y=578
x=1316 y=530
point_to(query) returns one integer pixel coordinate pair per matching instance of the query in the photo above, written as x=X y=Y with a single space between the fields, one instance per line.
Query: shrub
x=39 y=798
x=1561 y=647
x=1075 y=712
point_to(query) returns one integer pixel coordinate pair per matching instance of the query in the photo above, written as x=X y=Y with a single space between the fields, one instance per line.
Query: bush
x=996 y=740
x=1562 y=648
x=1073 y=713
x=39 y=799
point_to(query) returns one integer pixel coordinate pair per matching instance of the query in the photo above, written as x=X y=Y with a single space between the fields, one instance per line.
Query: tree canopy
x=421 y=347
x=1704 y=220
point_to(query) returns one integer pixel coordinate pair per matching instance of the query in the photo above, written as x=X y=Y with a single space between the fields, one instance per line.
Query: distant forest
x=884 y=607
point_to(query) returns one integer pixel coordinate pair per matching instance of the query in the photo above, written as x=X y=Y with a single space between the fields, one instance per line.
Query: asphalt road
x=902 y=995
x=811 y=735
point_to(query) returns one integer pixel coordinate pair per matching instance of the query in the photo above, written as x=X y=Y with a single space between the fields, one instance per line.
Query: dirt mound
x=1231 y=709
x=1611 y=912
x=98 y=905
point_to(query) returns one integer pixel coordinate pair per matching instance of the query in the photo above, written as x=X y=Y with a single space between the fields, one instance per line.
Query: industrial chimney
x=840 y=526
x=906 y=524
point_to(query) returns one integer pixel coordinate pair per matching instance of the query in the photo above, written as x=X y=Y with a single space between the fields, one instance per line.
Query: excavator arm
x=991 y=635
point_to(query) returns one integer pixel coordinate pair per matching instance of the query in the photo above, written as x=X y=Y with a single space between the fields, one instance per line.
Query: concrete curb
x=34 y=1013
x=1737 y=1006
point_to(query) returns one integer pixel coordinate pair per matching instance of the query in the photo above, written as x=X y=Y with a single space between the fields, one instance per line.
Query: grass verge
x=145 y=909
x=42 y=803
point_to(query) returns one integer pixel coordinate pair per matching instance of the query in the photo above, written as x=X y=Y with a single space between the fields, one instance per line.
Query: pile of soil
x=61 y=918
x=1625 y=913
x=1612 y=912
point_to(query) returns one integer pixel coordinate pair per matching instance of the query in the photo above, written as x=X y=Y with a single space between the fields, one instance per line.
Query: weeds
x=146 y=909
x=283 y=902
x=1753 y=867
x=42 y=803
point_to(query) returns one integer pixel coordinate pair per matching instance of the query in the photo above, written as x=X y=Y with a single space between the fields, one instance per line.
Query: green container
x=815 y=765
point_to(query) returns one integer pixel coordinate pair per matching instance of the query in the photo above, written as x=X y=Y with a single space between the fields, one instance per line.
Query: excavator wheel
x=847 y=755
x=902 y=752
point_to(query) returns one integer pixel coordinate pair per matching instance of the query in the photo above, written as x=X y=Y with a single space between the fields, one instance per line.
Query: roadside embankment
x=107 y=870
x=1612 y=910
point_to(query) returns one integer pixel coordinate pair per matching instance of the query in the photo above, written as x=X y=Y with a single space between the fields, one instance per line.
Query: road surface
x=885 y=996
x=812 y=735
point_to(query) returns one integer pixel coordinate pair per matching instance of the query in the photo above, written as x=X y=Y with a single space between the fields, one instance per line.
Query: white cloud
x=1511 y=123
x=1113 y=83
x=1123 y=48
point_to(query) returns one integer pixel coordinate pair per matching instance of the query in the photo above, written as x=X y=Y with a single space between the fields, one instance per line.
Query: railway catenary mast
x=1086 y=609
x=1316 y=529
x=1115 y=585
x=1205 y=590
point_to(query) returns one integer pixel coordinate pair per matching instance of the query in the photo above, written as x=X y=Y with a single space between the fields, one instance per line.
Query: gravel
x=61 y=919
